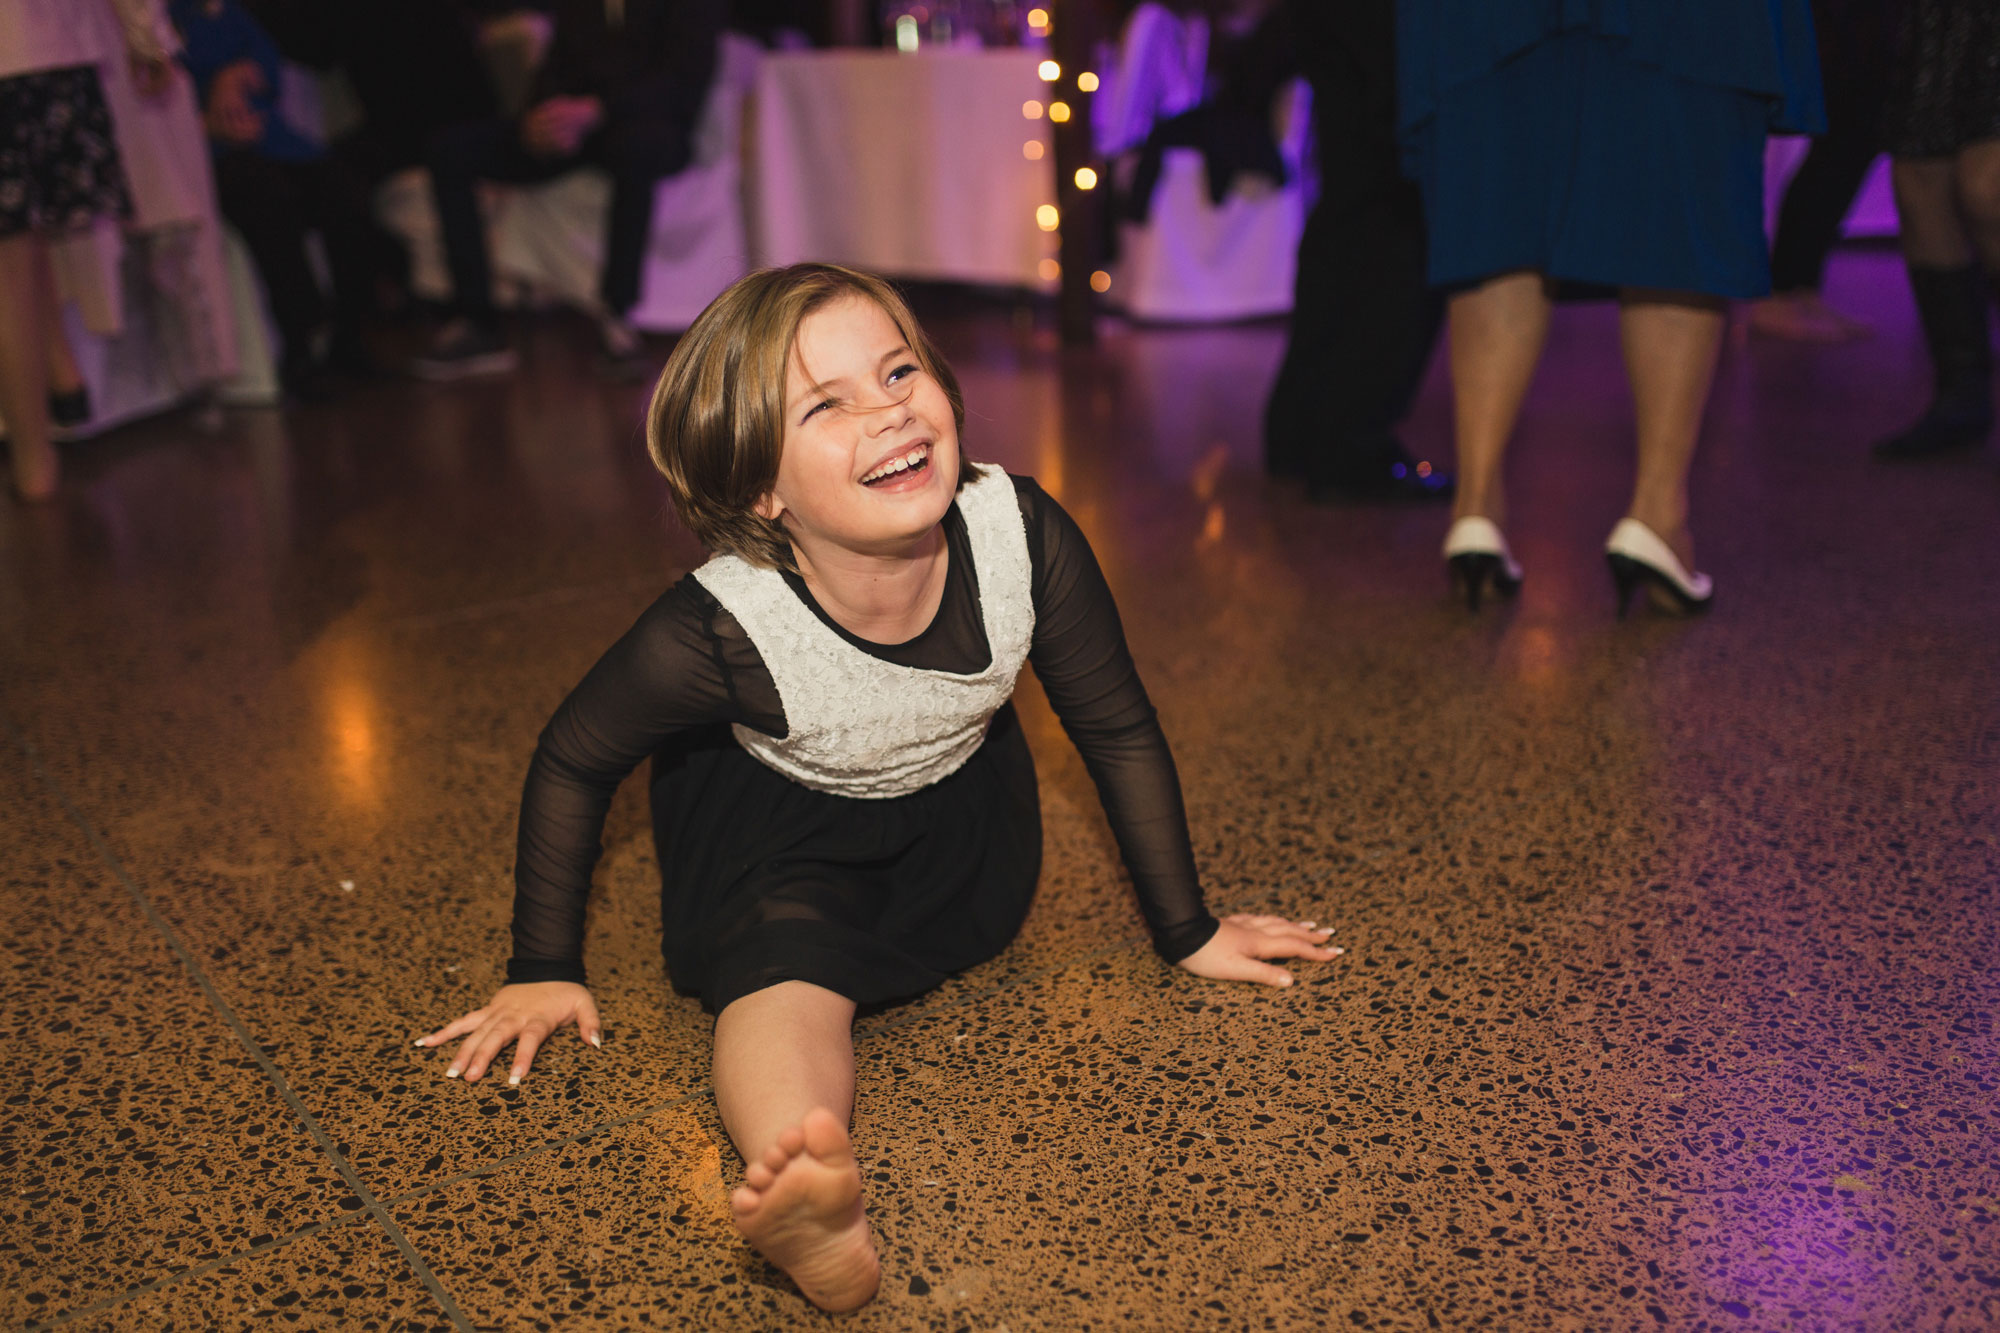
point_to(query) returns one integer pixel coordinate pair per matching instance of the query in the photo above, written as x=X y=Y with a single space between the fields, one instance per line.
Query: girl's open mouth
x=915 y=460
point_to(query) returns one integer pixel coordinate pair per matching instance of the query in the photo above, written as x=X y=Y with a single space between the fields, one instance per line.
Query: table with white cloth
x=912 y=164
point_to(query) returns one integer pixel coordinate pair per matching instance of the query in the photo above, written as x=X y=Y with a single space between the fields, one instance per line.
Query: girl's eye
x=901 y=372
x=816 y=410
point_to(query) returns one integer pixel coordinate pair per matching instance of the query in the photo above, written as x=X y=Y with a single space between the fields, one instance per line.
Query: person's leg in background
x=27 y=294
x=1498 y=330
x=639 y=157
x=353 y=256
x=1855 y=46
x=1364 y=317
x=1952 y=297
x=263 y=200
x=1670 y=341
x=460 y=158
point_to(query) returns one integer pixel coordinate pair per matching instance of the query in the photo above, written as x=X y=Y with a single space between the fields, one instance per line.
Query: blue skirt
x=1575 y=160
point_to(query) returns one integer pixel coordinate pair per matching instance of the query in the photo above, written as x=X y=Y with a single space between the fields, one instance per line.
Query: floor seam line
x=264 y=1062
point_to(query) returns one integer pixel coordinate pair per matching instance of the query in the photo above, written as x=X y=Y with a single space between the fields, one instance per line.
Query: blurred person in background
x=622 y=88
x=59 y=173
x=276 y=186
x=1856 y=41
x=1944 y=133
x=415 y=70
x=1364 y=318
x=1617 y=146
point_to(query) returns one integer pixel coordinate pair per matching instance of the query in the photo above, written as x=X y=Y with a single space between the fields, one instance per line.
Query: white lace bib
x=859 y=726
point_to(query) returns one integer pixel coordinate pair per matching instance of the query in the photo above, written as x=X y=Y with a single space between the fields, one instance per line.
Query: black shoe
x=70 y=408
x=1639 y=558
x=1952 y=303
x=464 y=348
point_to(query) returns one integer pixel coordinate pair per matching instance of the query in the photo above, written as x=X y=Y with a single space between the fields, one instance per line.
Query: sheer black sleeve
x=686 y=663
x=1080 y=657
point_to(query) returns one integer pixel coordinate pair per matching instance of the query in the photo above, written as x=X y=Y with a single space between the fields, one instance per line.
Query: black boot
x=1952 y=303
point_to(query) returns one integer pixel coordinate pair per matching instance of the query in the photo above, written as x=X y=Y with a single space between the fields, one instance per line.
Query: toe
x=744 y=1200
x=825 y=1136
x=759 y=1177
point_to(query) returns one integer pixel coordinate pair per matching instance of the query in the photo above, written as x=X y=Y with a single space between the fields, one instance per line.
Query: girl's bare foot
x=800 y=1206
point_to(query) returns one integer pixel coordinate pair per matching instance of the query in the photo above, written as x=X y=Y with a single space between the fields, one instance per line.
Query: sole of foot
x=800 y=1207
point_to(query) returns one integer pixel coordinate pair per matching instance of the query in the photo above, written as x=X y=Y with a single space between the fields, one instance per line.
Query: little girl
x=843 y=804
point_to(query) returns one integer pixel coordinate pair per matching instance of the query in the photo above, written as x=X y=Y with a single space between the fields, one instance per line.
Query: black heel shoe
x=1477 y=556
x=1638 y=556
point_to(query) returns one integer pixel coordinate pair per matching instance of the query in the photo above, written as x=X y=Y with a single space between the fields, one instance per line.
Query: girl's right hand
x=524 y=1015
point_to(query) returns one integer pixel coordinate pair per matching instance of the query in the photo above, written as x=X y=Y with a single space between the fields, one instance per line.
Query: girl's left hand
x=1239 y=948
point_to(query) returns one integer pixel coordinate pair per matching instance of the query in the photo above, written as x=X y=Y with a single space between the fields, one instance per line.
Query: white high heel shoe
x=1638 y=555
x=1476 y=554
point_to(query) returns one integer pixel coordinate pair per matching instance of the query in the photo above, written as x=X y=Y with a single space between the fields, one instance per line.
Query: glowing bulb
x=1032 y=110
x=1032 y=150
x=1059 y=112
x=1100 y=281
x=1086 y=179
x=906 y=33
x=1050 y=270
x=1038 y=20
x=1047 y=218
x=1050 y=71
x=1087 y=82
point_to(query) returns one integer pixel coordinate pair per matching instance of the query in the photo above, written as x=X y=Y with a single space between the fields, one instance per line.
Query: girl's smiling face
x=870 y=457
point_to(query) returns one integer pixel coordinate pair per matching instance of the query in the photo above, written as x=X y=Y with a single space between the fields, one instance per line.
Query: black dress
x=764 y=880
x=1945 y=92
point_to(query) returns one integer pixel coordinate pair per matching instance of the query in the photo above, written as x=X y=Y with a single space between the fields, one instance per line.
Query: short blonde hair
x=716 y=426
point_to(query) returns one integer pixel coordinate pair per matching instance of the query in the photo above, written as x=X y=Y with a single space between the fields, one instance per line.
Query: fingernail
x=420 y=1041
x=513 y=1080
x=1326 y=930
x=597 y=1041
x=1338 y=949
x=1310 y=925
x=451 y=1073
x=1284 y=981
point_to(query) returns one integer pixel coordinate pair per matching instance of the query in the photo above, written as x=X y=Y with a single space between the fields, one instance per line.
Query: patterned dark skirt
x=1945 y=94
x=59 y=165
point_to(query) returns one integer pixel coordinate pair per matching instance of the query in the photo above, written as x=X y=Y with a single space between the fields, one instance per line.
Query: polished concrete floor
x=1671 y=980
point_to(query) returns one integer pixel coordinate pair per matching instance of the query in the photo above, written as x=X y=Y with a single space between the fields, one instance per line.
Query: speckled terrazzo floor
x=1671 y=985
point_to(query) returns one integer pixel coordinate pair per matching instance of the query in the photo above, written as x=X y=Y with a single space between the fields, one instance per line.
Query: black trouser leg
x=459 y=158
x=1364 y=319
x=265 y=202
x=1816 y=203
x=348 y=235
x=638 y=157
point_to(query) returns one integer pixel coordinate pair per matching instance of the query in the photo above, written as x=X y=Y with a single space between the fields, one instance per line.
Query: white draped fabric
x=909 y=164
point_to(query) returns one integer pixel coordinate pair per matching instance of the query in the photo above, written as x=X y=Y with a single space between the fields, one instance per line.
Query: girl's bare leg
x=25 y=291
x=784 y=1081
x=1670 y=341
x=1497 y=333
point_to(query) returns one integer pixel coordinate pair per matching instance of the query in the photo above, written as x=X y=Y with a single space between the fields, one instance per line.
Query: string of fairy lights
x=1059 y=112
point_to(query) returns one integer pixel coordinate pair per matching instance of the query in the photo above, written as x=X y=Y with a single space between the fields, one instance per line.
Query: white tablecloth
x=908 y=164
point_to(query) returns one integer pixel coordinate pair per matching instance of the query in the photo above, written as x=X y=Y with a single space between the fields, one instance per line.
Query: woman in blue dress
x=1617 y=144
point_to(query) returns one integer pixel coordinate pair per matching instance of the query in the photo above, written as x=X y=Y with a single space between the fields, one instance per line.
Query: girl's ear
x=769 y=507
